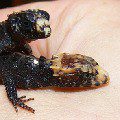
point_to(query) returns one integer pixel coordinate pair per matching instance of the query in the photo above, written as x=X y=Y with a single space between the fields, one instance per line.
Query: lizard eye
x=26 y=23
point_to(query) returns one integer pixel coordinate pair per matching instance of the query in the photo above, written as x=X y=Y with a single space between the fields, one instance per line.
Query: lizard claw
x=25 y=100
x=20 y=102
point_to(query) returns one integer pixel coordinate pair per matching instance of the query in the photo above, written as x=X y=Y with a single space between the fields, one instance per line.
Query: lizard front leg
x=24 y=71
x=10 y=85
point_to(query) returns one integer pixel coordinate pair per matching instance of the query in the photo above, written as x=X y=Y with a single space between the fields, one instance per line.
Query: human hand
x=87 y=27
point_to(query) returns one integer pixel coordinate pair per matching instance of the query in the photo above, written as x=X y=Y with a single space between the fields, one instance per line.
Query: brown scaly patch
x=75 y=70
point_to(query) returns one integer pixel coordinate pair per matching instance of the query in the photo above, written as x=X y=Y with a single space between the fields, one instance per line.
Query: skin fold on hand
x=88 y=27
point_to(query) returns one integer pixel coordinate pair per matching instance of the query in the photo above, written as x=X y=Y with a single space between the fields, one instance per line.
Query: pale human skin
x=88 y=27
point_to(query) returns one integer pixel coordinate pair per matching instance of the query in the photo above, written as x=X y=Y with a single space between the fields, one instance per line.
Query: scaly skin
x=21 y=28
x=23 y=71
x=63 y=70
x=75 y=70
x=17 y=69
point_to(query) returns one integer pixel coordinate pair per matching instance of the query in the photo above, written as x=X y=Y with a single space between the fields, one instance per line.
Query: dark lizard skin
x=17 y=69
x=23 y=71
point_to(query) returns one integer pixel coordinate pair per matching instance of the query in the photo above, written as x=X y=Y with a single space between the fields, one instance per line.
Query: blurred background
x=11 y=3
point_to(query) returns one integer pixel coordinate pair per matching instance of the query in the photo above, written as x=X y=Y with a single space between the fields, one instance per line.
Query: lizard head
x=29 y=24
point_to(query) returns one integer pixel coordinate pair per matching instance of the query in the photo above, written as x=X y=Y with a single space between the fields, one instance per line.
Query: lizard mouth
x=43 y=27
